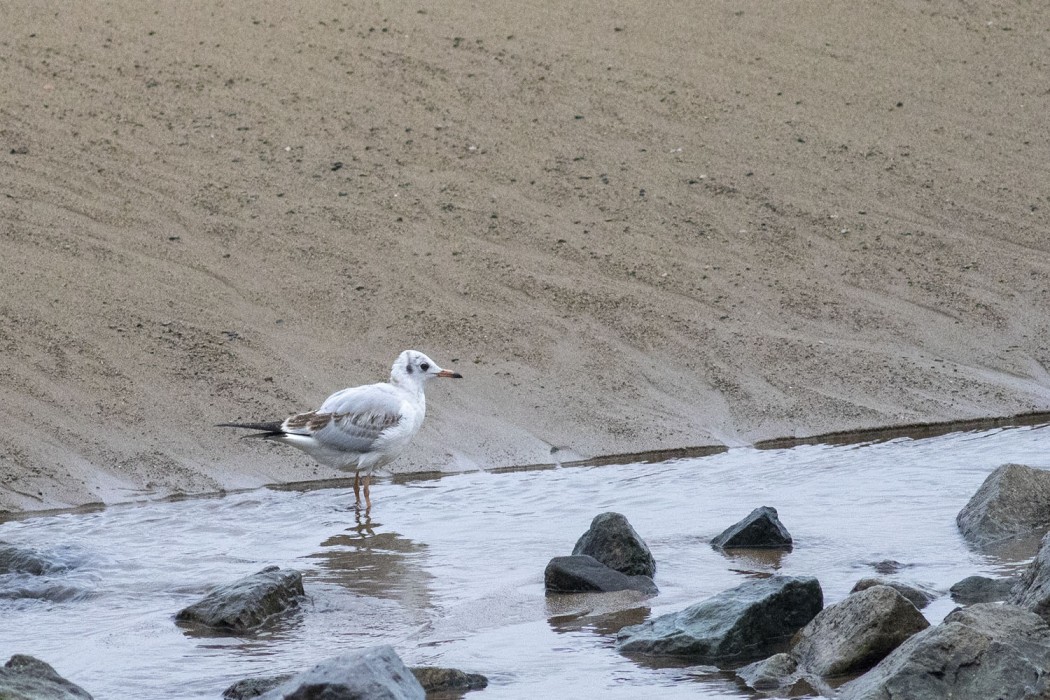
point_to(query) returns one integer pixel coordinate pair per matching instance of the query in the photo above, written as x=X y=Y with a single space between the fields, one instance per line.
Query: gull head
x=413 y=368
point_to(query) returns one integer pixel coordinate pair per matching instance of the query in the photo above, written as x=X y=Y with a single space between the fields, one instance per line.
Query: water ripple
x=450 y=570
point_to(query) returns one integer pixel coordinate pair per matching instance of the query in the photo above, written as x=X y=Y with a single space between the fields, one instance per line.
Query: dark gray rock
x=984 y=651
x=919 y=597
x=248 y=602
x=612 y=541
x=581 y=574
x=1033 y=590
x=761 y=529
x=981 y=589
x=1013 y=501
x=27 y=678
x=856 y=633
x=778 y=671
x=369 y=674
x=447 y=680
x=253 y=687
x=748 y=622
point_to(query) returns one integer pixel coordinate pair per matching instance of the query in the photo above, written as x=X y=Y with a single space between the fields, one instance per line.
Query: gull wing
x=351 y=420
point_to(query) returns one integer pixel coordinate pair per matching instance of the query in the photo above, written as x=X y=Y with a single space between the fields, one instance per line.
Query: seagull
x=361 y=428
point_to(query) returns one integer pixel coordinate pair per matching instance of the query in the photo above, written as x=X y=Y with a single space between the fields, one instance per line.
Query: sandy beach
x=630 y=226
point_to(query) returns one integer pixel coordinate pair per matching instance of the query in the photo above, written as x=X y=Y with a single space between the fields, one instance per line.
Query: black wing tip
x=270 y=429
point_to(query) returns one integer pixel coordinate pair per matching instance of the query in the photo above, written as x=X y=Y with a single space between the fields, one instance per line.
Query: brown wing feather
x=309 y=422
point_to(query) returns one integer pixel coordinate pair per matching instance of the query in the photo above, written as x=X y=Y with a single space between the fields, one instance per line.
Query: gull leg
x=368 y=498
x=357 y=487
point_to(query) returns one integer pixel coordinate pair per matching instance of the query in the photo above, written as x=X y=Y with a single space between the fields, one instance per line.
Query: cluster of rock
x=986 y=650
x=610 y=556
x=876 y=635
x=247 y=604
x=375 y=673
x=776 y=625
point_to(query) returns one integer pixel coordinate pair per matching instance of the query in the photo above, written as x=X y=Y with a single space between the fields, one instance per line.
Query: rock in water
x=773 y=673
x=27 y=678
x=376 y=674
x=748 y=622
x=26 y=560
x=981 y=589
x=888 y=566
x=761 y=529
x=1014 y=500
x=247 y=603
x=435 y=680
x=1033 y=590
x=253 y=687
x=448 y=680
x=918 y=597
x=856 y=633
x=612 y=541
x=984 y=651
x=582 y=573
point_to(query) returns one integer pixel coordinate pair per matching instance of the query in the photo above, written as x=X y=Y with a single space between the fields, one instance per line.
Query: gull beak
x=450 y=374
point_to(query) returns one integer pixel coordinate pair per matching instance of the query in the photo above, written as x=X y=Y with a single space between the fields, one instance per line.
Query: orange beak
x=450 y=374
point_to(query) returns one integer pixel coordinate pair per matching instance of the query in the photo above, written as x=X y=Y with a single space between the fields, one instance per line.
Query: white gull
x=361 y=428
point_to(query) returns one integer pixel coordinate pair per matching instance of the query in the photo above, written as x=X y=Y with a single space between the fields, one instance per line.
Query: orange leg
x=368 y=498
x=357 y=487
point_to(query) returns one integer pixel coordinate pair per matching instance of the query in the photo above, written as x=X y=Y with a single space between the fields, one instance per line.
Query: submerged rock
x=376 y=674
x=253 y=687
x=1033 y=589
x=446 y=680
x=888 y=566
x=15 y=559
x=27 y=678
x=761 y=529
x=26 y=572
x=984 y=651
x=612 y=541
x=1013 y=501
x=856 y=633
x=747 y=622
x=774 y=673
x=981 y=589
x=919 y=597
x=581 y=574
x=248 y=602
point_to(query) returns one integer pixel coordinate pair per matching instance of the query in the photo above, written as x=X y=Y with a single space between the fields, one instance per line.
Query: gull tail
x=271 y=429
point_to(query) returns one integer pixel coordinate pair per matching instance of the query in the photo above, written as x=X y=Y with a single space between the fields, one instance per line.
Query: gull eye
x=425 y=366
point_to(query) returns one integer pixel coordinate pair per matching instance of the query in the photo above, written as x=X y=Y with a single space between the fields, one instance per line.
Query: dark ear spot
x=408 y=366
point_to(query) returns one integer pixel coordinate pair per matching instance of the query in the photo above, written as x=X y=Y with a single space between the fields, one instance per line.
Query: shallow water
x=450 y=571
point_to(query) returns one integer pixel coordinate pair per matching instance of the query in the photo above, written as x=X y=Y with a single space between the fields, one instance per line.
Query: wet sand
x=631 y=228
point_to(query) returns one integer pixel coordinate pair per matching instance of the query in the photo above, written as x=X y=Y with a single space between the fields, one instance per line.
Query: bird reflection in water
x=370 y=562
